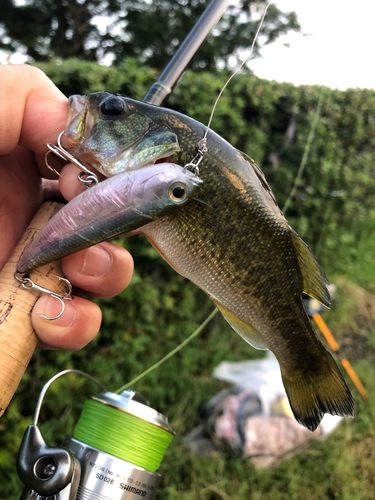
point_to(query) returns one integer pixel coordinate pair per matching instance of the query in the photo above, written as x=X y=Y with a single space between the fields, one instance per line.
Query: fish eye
x=178 y=192
x=114 y=106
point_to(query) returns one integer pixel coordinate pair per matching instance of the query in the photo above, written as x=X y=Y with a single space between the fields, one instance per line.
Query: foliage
x=150 y=31
x=334 y=211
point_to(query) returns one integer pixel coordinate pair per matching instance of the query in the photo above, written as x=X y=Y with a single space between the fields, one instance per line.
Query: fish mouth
x=75 y=129
x=166 y=159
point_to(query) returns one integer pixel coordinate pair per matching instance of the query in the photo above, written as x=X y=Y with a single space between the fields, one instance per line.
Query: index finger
x=33 y=110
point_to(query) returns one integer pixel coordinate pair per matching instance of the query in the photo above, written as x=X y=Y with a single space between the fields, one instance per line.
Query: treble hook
x=59 y=151
x=60 y=295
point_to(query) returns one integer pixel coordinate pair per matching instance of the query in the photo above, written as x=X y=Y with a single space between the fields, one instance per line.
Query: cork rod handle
x=17 y=336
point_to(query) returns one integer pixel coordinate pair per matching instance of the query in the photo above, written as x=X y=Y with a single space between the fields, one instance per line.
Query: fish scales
x=218 y=261
x=231 y=240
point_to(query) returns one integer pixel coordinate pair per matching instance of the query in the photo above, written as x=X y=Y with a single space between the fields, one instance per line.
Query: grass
x=340 y=467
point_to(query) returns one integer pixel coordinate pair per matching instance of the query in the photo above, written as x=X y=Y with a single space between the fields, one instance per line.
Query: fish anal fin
x=244 y=330
x=312 y=394
x=315 y=281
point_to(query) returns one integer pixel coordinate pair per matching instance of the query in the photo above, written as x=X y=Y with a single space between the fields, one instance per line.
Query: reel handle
x=18 y=339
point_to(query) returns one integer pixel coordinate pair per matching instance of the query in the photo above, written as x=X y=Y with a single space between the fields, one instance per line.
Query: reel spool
x=117 y=446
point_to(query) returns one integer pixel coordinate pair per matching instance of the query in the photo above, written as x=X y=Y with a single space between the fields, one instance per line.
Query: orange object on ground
x=335 y=347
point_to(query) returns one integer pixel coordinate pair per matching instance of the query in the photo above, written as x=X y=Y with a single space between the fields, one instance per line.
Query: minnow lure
x=113 y=207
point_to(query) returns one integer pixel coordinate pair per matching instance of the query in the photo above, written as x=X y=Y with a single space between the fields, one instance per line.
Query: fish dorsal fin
x=260 y=176
x=314 y=279
x=244 y=330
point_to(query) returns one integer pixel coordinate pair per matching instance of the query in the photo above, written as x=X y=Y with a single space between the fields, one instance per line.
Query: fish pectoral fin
x=314 y=279
x=313 y=393
x=244 y=330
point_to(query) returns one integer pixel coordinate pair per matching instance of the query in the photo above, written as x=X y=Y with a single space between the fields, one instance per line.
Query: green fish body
x=232 y=241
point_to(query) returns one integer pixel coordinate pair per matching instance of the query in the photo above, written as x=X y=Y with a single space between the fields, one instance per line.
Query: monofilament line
x=236 y=71
x=169 y=355
x=306 y=152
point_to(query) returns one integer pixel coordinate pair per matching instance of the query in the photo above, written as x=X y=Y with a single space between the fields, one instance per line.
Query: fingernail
x=97 y=262
x=51 y=307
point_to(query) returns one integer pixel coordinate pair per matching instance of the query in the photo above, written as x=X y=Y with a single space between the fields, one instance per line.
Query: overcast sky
x=337 y=49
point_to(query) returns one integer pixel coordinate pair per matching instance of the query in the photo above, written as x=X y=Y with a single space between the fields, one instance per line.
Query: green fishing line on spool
x=122 y=435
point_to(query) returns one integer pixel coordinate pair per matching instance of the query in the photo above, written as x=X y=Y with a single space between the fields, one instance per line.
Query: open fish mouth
x=166 y=159
x=104 y=132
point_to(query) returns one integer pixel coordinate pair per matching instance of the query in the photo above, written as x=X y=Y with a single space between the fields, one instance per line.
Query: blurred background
x=308 y=53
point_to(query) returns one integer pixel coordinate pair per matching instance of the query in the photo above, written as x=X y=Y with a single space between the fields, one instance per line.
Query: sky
x=335 y=46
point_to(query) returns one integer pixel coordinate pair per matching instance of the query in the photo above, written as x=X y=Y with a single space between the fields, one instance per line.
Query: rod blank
x=202 y=28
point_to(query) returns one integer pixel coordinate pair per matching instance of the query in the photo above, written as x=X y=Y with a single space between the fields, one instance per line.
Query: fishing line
x=122 y=434
x=172 y=353
x=204 y=140
x=306 y=152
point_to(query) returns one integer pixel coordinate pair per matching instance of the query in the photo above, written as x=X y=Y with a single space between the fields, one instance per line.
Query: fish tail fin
x=313 y=393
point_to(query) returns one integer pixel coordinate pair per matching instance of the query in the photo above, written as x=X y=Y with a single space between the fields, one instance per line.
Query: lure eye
x=178 y=193
x=112 y=107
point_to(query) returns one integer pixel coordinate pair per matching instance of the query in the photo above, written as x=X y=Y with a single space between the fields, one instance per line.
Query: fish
x=113 y=207
x=232 y=240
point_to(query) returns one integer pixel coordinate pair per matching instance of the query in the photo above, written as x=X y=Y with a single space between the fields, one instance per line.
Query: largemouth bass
x=233 y=241
x=112 y=207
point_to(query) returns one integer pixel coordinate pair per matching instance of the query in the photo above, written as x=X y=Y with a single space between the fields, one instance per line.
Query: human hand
x=33 y=113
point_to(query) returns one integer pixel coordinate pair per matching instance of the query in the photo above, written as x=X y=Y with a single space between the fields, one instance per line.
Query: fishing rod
x=175 y=68
x=18 y=339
